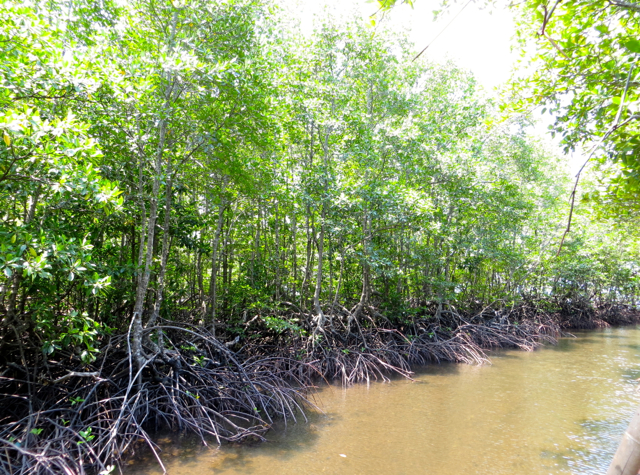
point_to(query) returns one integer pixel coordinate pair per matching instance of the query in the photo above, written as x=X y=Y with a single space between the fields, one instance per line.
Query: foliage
x=212 y=164
x=580 y=60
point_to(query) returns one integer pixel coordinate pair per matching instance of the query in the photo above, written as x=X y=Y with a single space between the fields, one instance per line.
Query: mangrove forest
x=208 y=209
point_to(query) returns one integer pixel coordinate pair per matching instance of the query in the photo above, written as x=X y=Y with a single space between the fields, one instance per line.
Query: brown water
x=558 y=410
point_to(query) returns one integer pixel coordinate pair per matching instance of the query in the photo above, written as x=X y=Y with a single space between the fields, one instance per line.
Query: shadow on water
x=439 y=369
x=284 y=442
x=281 y=444
x=580 y=340
x=597 y=441
x=558 y=458
x=616 y=333
x=505 y=354
x=569 y=344
x=589 y=451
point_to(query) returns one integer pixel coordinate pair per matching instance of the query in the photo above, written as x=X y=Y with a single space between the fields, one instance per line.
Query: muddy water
x=558 y=410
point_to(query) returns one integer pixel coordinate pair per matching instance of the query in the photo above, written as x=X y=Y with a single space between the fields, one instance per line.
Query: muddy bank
x=65 y=416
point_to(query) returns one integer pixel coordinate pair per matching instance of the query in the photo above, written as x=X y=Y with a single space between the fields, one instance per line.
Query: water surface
x=558 y=410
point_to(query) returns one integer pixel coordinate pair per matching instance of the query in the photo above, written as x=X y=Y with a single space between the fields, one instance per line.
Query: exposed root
x=355 y=351
x=84 y=424
x=369 y=352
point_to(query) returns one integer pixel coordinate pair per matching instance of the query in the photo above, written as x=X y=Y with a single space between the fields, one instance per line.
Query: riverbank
x=367 y=351
x=65 y=416
x=559 y=410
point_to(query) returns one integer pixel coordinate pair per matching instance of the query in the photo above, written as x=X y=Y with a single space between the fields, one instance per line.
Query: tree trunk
x=307 y=268
x=294 y=253
x=213 y=296
x=320 y=318
x=143 y=279
x=165 y=249
x=16 y=279
x=366 y=271
x=276 y=257
x=199 y=281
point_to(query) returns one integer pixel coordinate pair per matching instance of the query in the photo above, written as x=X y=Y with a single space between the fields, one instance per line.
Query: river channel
x=557 y=410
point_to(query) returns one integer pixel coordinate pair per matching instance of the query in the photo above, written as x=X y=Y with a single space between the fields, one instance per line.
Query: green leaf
x=633 y=46
x=48 y=348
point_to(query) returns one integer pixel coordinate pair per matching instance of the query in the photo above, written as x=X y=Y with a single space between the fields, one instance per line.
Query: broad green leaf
x=633 y=46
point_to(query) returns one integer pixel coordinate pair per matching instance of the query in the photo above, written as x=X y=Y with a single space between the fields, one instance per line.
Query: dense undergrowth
x=66 y=416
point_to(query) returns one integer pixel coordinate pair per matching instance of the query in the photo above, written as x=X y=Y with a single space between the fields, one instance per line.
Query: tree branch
x=575 y=186
x=626 y=5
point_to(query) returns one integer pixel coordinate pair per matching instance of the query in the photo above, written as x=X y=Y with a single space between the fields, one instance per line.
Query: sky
x=476 y=39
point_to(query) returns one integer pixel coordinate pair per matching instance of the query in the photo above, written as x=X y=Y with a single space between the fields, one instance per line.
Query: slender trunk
x=294 y=250
x=16 y=279
x=143 y=281
x=255 y=253
x=230 y=254
x=276 y=257
x=213 y=296
x=143 y=220
x=340 y=278
x=403 y=266
x=228 y=249
x=366 y=288
x=366 y=269
x=123 y=246
x=199 y=280
x=132 y=233
x=309 y=224
x=320 y=317
x=330 y=257
x=307 y=268
x=225 y=265
x=165 y=249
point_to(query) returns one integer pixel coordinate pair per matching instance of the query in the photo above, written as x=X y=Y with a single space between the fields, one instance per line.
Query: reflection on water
x=559 y=410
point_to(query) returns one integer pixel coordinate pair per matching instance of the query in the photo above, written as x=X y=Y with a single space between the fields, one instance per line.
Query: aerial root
x=366 y=352
x=85 y=424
